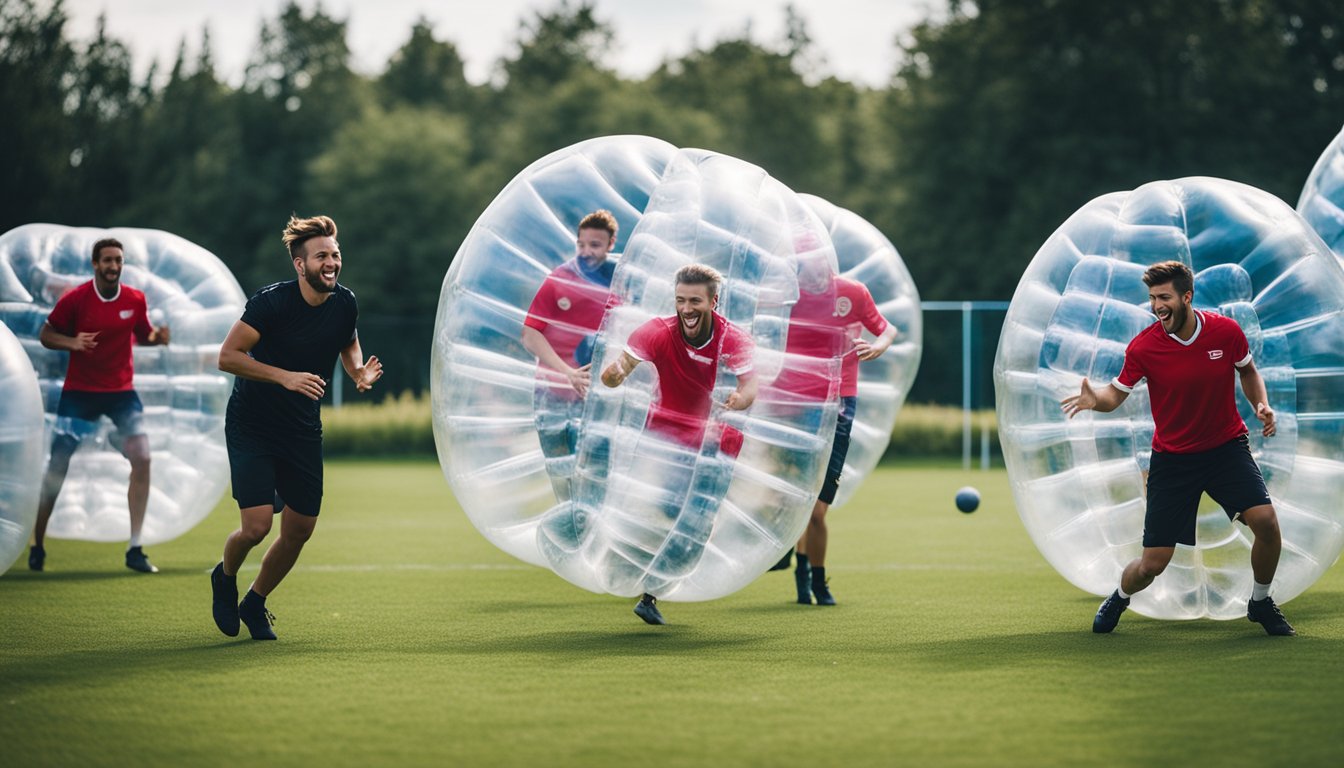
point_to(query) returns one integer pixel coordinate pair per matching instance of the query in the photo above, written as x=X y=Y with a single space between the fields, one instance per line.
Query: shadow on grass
x=634 y=641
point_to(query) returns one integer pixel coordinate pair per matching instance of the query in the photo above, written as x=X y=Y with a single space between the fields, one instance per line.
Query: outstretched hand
x=1266 y=416
x=581 y=378
x=1085 y=400
x=368 y=373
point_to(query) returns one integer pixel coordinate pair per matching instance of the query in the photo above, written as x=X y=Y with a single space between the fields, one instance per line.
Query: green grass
x=406 y=639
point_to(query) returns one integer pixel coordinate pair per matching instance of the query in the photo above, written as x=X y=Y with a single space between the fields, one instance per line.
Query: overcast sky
x=856 y=38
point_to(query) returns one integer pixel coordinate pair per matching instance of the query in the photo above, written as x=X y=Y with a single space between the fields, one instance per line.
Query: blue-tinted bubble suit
x=21 y=448
x=694 y=522
x=1322 y=201
x=491 y=399
x=1079 y=483
x=180 y=385
x=867 y=256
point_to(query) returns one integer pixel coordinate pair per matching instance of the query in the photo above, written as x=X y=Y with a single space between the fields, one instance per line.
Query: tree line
x=1001 y=118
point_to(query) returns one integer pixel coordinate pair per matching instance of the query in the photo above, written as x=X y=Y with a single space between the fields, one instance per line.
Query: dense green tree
x=426 y=72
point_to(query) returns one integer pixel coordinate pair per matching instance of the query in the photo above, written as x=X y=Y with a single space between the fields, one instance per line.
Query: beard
x=702 y=329
x=315 y=281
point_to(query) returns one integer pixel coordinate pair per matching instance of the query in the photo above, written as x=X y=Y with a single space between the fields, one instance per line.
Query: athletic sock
x=819 y=575
x=802 y=561
x=135 y=542
x=1259 y=591
x=1121 y=592
x=252 y=598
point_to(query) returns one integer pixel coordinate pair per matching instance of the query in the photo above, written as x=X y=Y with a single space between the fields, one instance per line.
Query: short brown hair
x=699 y=274
x=299 y=231
x=601 y=219
x=106 y=242
x=1174 y=272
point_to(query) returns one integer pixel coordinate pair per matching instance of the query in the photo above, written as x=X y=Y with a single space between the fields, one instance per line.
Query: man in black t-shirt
x=286 y=342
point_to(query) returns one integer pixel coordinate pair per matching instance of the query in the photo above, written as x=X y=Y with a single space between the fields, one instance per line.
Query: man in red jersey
x=1199 y=440
x=559 y=330
x=828 y=321
x=686 y=349
x=95 y=322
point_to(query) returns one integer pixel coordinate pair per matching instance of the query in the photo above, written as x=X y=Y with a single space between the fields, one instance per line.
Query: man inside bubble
x=827 y=322
x=1199 y=440
x=686 y=350
x=280 y=352
x=561 y=325
x=97 y=322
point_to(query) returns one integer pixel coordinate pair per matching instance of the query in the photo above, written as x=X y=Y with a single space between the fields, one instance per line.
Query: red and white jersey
x=686 y=376
x=1190 y=383
x=825 y=325
x=567 y=307
x=107 y=367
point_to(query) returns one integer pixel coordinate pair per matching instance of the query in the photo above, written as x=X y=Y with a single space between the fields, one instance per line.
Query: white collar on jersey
x=99 y=293
x=1199 y=326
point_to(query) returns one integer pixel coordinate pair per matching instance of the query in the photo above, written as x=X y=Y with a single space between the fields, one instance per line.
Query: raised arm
x=579 y=378
x=233 y=358
x=363 y=373
x=1253 y=387
x=1104 y=400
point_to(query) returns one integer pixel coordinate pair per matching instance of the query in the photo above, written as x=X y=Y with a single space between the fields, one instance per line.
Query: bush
x=402 y=426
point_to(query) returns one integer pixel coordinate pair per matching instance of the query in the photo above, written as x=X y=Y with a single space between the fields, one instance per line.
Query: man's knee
x=255 y=528
x=136 y=449
x=1262 y=520
x=1154 y=562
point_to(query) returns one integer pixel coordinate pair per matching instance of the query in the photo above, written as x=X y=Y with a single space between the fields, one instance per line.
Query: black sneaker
x=784 y=562
x=1268 y=615
x=225 y=589
x=37 y=558
x=802 y=579
x=137 y=560
x=1108 y=615
x=823 y=592
x=647 y=609
x=257 y=619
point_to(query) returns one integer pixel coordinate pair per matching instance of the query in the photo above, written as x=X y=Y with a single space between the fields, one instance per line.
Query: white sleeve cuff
x=1245 y=361
x=1127 y=390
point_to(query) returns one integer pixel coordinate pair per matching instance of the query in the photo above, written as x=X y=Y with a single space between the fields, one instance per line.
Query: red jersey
x=1190 y=383
x=107 y=367
x=567 y=307
x=825 y=325
x=686 y=376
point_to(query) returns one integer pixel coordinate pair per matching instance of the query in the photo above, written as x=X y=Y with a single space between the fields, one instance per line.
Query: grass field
x=406 y=639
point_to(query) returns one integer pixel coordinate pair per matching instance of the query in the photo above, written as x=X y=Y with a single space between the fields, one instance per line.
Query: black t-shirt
x=295 y=336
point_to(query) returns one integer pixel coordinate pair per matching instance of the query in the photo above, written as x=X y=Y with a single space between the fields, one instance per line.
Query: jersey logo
x=564 y=303
x=842 y=307
x=1215 y=354
x=699 y=358
x=126 y=314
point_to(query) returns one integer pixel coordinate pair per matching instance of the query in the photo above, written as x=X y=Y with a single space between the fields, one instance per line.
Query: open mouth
x=690 y=322
x=328 y=274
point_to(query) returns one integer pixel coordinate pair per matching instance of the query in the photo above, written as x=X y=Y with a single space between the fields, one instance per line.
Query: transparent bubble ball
x=627 y=511
x=180 y=385
x=1079 y=484
x=866 y=255
x=21 y=448
x=1322 y=200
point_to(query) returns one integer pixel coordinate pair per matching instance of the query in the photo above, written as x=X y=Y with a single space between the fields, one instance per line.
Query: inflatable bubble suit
x=1079 y=484
x=623 y=510
x=1322 y=201
x=21 y=448
x=179 y=384
x=866 y=255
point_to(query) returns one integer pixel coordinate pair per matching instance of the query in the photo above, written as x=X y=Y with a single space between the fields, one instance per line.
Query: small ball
x=968 y=499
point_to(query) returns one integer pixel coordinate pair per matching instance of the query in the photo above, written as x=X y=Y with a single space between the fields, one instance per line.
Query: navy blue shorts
x=78 y=413
x=844 y=424
x=280 y=471
x=1227 y=473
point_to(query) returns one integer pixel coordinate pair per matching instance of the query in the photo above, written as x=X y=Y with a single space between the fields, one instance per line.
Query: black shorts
x=1227 y=473
x=78 y=413
x=844 y=424
x=269 y=469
